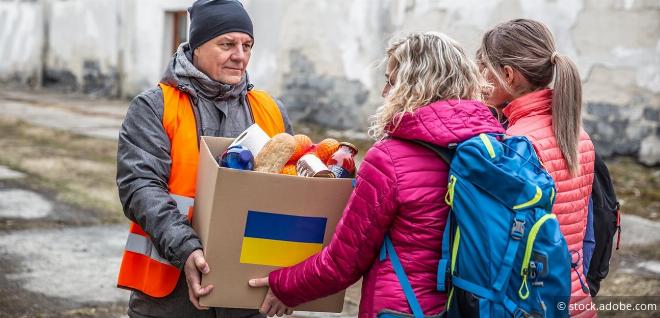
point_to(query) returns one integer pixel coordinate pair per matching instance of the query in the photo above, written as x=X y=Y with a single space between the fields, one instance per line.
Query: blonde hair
x=528 y=47
x=427 y=67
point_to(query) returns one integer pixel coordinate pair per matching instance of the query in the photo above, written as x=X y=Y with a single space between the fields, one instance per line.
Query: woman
x=431 y=94
x=520 y=60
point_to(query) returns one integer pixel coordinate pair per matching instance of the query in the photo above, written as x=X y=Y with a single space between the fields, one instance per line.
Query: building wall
x=322 y=57
x=146 y=41
x=21 y=42
x=82 y=45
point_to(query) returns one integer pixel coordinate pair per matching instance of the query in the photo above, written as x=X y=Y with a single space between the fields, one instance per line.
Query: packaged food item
x=253 y=138
x=303 y=145
x=311 y=166
x=237 y=157
x=274 y=155
x=342 y=162
x=326 y=148
x=289 y=169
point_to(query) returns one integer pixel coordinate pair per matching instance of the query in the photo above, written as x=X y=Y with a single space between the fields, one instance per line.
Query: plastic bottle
x=237 y=157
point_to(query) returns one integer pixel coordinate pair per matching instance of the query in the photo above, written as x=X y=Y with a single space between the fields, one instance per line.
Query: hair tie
x=553 y=57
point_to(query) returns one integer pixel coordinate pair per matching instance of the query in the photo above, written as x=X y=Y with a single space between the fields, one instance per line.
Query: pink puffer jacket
x=400 y=191
x=531 y=115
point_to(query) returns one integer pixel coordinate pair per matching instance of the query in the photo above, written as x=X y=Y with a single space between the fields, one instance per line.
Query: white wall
x=321 y=57
x=83 y=42
x=346 y=38
x=144 y=43
x=21 y=41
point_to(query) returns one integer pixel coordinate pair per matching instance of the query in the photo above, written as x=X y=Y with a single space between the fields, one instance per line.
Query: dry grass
x=79 y=170
x=637 y=187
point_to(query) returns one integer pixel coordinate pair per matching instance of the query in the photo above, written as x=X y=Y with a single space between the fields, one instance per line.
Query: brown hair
x=528 y=47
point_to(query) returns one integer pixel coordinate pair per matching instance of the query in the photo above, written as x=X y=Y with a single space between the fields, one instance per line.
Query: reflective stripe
x=528 y=254
x=454 y=250
x=534 y=200
x=489 y=146
x=142 y=245
x=183 y=203
x=454 y=253
x=137 y=243
x=552 y=196
x=449 y=196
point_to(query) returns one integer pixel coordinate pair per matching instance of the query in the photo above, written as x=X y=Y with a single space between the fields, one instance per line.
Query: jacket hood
x=181 y=73
x=447 y=121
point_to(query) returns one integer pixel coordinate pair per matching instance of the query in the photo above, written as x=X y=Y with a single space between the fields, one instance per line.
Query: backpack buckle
x=532 y=270
x=518 y=229
x=519 y=312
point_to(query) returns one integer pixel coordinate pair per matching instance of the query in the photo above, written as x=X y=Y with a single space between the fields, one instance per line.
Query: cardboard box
x=251 y=223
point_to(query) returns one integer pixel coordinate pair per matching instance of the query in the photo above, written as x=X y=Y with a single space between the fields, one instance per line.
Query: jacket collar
x=535 y=103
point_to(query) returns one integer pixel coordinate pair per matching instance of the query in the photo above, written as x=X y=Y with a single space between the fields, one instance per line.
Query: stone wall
x=322 y=58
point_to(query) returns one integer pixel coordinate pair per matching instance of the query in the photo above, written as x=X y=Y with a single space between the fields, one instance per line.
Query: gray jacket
x=143 y=158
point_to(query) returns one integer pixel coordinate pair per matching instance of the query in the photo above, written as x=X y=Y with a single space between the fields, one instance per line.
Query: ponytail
x=567 y=109
x=529 y=46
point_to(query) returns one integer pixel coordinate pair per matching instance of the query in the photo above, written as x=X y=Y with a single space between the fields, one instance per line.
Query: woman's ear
x=509 y=75
x=516 y=81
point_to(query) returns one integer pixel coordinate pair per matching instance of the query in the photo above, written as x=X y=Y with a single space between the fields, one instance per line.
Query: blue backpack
x=503 y=254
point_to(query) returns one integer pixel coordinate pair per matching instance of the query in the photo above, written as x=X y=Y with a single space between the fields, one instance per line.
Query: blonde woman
x=431 y=94
x=519 y=58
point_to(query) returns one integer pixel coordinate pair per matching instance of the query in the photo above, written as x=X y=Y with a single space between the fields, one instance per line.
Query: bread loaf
x=274 y=155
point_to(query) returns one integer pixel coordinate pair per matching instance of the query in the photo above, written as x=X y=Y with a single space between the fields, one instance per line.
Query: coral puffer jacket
x=400 y=191
x=531 y=115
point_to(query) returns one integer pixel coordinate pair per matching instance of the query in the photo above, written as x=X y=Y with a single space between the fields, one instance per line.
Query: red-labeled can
x=310 y=165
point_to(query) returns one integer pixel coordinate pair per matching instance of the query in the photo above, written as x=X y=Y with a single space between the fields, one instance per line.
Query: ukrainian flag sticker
x=281 y=240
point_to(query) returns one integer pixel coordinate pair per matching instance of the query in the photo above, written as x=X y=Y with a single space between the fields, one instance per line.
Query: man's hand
x=194 y=268
x=272 y=305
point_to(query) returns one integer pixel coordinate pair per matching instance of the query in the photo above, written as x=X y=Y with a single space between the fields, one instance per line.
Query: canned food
x=310 y=165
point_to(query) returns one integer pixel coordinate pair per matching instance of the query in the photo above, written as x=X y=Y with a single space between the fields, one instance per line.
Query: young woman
x=520 y=60
x=431 y=94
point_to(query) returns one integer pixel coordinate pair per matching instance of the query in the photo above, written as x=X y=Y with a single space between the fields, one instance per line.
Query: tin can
x=310 y=165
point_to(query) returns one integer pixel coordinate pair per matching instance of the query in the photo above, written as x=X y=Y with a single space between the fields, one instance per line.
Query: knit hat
x=210 y=18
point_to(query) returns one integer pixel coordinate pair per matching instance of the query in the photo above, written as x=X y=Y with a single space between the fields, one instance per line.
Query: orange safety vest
x=142 y=268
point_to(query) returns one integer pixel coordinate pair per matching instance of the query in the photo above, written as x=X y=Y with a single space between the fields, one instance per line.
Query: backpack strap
x=445 y=153
x=444 y=273
x=517 y=233
x=388 y=249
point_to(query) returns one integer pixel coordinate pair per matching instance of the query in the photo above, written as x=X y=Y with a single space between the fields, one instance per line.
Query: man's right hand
x=194 y=268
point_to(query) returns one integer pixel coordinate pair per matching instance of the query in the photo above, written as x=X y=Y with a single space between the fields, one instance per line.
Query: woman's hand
x=272 y=305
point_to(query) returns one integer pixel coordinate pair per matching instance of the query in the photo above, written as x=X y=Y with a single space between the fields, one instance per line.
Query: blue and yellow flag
x=281 y=240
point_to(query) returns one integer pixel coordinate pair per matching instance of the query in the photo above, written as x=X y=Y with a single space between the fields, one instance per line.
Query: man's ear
x=194 y=56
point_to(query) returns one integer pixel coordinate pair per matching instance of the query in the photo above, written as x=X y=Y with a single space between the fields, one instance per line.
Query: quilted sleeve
x=359 y=234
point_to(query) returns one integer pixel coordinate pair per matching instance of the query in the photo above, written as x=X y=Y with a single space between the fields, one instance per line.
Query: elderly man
x=205 y=91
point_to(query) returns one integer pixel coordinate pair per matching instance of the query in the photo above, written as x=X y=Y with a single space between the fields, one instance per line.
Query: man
x=204 y=92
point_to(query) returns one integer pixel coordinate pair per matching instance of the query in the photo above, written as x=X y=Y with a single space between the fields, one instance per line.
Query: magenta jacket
x=400 y=191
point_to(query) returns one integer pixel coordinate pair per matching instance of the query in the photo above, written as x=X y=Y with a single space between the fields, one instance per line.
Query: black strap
x=445 y=153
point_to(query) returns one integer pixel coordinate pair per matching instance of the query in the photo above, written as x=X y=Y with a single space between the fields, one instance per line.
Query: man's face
x=225 y=57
